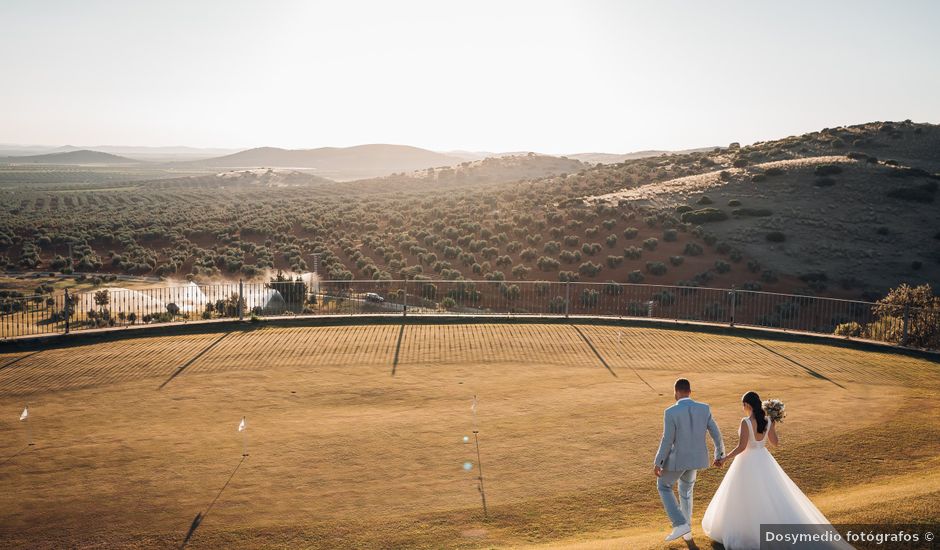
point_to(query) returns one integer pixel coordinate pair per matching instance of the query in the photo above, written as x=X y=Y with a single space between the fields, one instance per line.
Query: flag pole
x=476 y=441
x=243 y=428
x=24 y=416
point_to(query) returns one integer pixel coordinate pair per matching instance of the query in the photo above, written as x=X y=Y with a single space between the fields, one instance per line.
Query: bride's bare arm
x=772 y=434
x=742 y=443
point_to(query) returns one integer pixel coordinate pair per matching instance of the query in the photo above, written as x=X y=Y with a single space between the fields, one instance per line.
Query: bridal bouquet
x=775 y=409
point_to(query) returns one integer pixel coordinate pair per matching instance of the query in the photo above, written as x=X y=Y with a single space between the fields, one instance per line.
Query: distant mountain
x=338 y=163
x=81 y=156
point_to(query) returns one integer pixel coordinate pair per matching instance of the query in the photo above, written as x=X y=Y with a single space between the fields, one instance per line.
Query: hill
x=613 y=158
x=816 y=207
x=488 y=171
x=339 y=163
x=81 y=156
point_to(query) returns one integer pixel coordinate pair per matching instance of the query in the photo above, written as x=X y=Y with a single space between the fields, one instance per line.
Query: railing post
x=404 y=304
x=734 y=302
x=907 y=324
x=65 y=309
x=567 y=297
x=241 y=294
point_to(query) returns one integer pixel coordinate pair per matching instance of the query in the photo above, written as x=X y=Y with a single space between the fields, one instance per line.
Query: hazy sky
x=501 y=75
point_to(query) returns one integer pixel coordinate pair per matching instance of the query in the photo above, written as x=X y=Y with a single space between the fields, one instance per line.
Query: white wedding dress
x=756 y=490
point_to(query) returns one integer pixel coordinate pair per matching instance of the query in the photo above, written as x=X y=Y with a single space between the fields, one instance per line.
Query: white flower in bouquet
x=775 y=409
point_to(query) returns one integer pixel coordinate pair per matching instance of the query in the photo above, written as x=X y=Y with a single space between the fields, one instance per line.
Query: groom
x=682 y=451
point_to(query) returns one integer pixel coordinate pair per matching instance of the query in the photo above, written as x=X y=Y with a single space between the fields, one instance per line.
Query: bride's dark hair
x=752 y=399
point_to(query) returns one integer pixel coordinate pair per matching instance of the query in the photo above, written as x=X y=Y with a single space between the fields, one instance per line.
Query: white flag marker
x=243 y=428
x=25 y=414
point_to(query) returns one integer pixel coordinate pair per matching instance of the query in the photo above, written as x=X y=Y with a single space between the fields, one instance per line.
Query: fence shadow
x=14 y=455
x=179 y=370
x=401 y=334
x=809 y=371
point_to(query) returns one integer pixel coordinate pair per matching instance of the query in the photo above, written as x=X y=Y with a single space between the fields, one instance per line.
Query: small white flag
x=25 y=413
x=242 y=425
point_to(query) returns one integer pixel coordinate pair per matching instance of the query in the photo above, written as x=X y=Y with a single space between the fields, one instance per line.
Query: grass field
x=355 y=435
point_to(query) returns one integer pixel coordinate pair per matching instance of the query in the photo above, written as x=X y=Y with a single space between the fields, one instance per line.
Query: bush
x=670 y=235
x=567 y=276
x=739 y=163
x=722 y=266
x=635 y=277
x=557 y=305
x=676 y=260
x=704 y=200
x=614 y=262
x=850 y=330
x=656 y=268
x=693 y=249
x=651 y=243
x=776 y=237
x=923 y=310
x=589 y=297
x=704 y=215
x=682 y=209
x=734 y=202
x=589 y=269
x=632 y=252
x=827 y=170
x=630 y=233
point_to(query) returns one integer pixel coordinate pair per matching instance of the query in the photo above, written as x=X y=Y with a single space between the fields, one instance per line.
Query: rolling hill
x=338 y=163
x=81 y=156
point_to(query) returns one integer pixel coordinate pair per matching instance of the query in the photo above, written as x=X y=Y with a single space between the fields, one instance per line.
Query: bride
x=756 y=490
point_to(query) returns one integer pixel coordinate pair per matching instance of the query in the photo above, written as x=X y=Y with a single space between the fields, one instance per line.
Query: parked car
x=373 y=297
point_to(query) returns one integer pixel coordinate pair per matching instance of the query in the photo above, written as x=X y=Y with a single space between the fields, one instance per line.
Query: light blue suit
x=682 y=451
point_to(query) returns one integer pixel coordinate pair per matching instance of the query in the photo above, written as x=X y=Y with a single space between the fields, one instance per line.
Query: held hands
x=657 y=471
x=719 y=462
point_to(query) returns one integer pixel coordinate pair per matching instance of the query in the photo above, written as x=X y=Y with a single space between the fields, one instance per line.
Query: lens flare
x=467 y=466
x=466 y=439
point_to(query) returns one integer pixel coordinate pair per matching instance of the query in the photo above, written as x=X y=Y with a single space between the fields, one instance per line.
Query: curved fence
x=117 y=307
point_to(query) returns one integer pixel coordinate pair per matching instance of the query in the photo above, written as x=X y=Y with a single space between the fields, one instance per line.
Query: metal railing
x=119 y=307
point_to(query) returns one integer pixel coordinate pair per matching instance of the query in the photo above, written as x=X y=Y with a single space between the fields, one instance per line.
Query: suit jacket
x=683 y=444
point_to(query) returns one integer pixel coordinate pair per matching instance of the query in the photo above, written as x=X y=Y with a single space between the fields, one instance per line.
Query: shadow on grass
x=16 y=454
x=810 y=371
x=18 y=359
x=180 y=369
x=201 y=516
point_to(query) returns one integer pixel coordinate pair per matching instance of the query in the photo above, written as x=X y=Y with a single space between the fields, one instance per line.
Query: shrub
x=768 y=276
x=664 y=298
x=704 y=215
x=614 y=262
x=776 y=237
x=589 y=297
x=682 y=209
x=704 y=200
x=850 y=330
x=589 y=269
x=827 y=170
x=630 y=233
x=567 y=276
x=651 y=243
x=693 y=249
x=734 y=202
x=656 y=268
x=635 y=276
x=632 y=252
x=611 y=240
x=670 y=235
x=923 y=311
x=722 y=266
x=557 y=305
x=739 y=162
x=676 y=260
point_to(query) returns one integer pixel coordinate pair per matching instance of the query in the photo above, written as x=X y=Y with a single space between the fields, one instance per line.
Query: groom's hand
x=657 y=471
